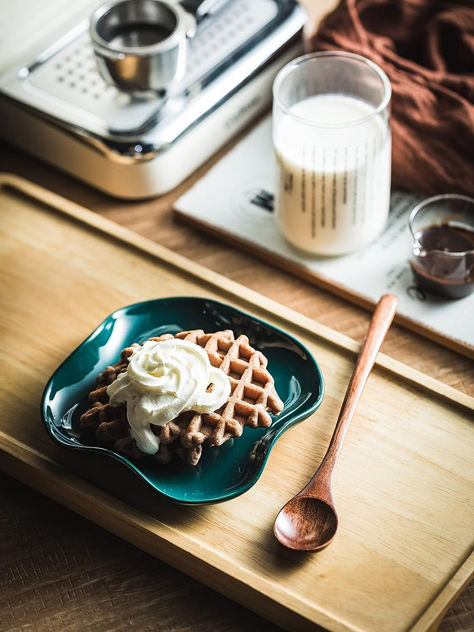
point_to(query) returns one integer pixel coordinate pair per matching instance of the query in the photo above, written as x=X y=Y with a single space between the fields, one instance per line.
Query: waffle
x=252 y=398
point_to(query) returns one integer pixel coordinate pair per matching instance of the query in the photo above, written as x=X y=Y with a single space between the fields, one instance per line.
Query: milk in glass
x=333 y=156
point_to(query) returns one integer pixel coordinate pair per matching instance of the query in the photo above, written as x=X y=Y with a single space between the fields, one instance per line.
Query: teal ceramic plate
x=223 y=472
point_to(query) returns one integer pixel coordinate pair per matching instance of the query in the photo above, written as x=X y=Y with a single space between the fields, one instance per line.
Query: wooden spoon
x=308 y=522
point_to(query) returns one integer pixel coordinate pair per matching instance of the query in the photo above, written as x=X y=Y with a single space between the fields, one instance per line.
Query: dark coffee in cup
x=444 y=261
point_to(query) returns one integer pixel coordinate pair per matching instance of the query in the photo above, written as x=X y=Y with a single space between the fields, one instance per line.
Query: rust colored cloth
x=426 y=47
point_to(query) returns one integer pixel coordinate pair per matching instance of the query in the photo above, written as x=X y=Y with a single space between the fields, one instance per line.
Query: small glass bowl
x=442 y=250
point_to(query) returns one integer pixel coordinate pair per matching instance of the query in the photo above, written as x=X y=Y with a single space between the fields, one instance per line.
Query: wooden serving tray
x=402 y=486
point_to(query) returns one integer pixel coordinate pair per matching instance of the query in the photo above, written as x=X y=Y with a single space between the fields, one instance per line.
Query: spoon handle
x=379 y=325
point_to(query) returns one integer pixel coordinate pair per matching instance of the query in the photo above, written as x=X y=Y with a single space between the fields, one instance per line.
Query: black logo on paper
x=263 y=199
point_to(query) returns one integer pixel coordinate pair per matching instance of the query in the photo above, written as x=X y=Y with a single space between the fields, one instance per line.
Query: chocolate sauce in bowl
x=437 y=267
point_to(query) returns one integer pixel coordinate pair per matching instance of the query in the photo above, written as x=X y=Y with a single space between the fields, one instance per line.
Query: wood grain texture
x=72 y=575
x=62 y=573
x=85 y=260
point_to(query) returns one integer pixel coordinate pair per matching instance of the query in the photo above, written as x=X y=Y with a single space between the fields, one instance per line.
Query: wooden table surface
x=59 y=572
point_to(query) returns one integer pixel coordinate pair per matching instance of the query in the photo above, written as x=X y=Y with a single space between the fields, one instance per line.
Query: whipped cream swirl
x=162 y=380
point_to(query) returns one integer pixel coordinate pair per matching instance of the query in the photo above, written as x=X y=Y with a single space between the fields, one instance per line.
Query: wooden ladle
x=308 y=522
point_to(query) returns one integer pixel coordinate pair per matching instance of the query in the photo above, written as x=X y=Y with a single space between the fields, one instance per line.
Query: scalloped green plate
x=222 y=472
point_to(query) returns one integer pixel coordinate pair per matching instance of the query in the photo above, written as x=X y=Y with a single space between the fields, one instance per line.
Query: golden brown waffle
x=252 y=396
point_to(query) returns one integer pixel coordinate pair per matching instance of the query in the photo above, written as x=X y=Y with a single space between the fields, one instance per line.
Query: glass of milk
x=331 y=133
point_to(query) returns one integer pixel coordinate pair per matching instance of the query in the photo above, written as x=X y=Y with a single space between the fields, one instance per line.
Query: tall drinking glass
x=331 y=134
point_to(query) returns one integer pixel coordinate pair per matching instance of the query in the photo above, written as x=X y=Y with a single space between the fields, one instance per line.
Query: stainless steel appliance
x=54 y=104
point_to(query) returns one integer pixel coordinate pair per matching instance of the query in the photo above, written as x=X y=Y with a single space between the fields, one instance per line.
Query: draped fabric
x=426 y=47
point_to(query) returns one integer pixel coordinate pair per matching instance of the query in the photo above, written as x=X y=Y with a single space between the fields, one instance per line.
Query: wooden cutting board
x=403 y=486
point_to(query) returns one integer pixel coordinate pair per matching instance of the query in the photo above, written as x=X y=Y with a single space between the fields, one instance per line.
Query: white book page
x=233 y=196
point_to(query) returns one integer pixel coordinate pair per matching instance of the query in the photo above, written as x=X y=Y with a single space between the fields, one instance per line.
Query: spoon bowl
x=308 y=522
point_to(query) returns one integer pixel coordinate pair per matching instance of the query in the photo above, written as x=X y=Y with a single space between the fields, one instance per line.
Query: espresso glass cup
x=442 y=248
x=331 y=135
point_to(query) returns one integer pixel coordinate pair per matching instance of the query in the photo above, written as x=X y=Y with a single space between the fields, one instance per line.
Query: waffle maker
x=55 y=105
